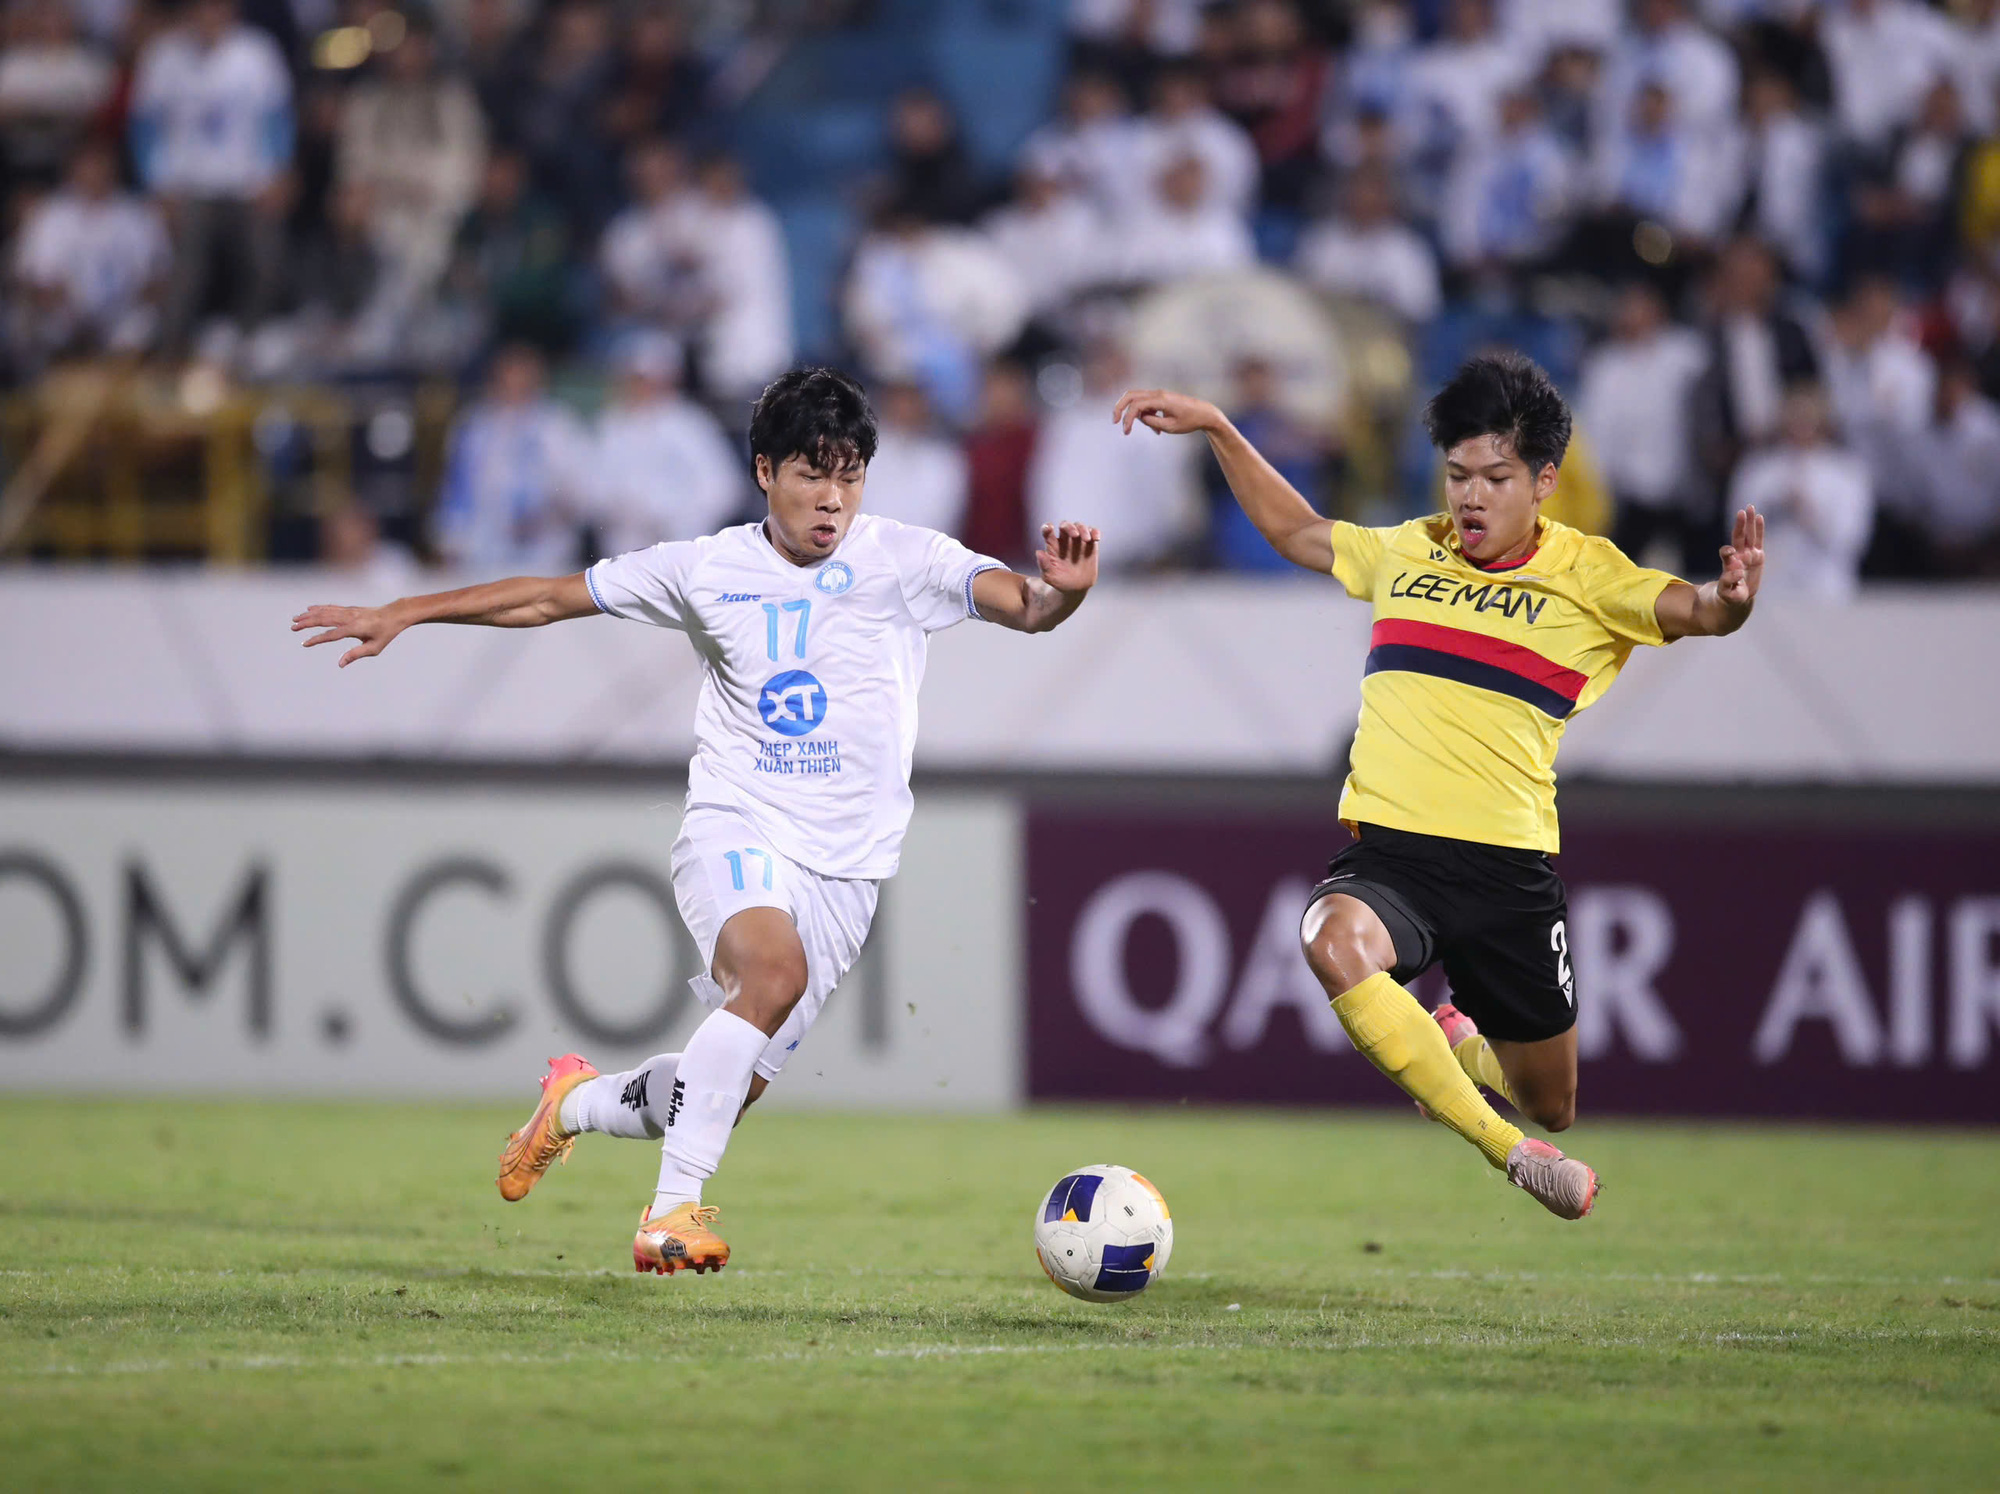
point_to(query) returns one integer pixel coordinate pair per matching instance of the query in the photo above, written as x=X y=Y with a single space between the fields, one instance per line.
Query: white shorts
x=721 y=867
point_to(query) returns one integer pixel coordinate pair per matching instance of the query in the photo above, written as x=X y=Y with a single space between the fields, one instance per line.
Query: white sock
x=632 y=1104
x=702 y=1105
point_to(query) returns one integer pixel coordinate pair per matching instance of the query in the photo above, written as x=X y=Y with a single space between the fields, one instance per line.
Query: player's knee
x=767 y=985
x=1342 y=951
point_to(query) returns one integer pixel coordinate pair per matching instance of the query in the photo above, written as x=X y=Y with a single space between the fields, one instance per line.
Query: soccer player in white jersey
x=812 y=625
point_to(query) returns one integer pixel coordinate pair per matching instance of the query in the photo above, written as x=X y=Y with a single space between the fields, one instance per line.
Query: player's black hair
x=1504 y=395
x=816 y=413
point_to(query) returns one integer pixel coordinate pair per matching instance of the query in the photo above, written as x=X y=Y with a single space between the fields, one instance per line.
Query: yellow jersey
x=1473 y=673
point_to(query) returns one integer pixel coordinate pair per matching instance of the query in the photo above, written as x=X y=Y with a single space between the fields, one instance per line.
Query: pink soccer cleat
x=1562 y=1185
x=1457 y=1026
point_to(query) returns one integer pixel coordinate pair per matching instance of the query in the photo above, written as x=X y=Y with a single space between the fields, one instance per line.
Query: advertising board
x=288 y=940
x=1721 y=970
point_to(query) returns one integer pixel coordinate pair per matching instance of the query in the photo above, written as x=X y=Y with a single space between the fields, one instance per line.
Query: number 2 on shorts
x=1559 y=942
x=735 y=860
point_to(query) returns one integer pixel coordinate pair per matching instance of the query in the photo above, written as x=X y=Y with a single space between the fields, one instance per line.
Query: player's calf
x=1540 y=1078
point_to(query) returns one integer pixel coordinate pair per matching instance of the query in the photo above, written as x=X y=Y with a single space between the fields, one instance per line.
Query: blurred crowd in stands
x=1758 y=241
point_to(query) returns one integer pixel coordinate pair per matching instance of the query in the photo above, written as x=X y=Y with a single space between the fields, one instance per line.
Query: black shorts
x=1495 y=916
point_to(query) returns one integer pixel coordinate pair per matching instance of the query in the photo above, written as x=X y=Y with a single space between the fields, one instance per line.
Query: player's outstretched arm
x=518 y=602
x=1723 y=605
x=1027 y=604
x=1281 y=515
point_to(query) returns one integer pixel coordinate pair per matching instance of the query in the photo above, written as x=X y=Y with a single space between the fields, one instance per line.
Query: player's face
x=1494 y=499
x=812 y=503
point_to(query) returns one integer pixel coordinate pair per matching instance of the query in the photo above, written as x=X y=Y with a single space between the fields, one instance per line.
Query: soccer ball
x=1104 y=1233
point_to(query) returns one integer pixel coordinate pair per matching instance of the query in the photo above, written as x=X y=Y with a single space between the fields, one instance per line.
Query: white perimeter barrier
x=1184 y=675
x=441 y=942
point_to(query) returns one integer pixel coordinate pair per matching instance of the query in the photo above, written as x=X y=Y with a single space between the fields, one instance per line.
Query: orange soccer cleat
x=679 y=1240
x=542 y=1141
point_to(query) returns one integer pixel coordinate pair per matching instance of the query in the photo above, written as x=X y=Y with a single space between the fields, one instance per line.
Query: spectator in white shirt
x=1163 y=28
x=351 y=541
x=1976 y=66
x=212 y=135
x=647 y=253
x=1090 y=144
x=88 y=266
x=931 y=303
x=1364 y=251
x=1182 y=231
x=1816 y=501
x=918 y=475
x=515 y=473
x=1055 y=238
x=744 y=338
x=1654 y=167
x=1882 y=385
x=1883 y=56
x=661 y=467
x=415 y=140
x=51 y=83
x=1184 y=122
x=1632 y=402
x=1784 y=161
x=1668 y=46
x=1905 y=209
x=1457 y=84
x=1958 y=477
x=1509 y=197
x=1141 y=487
x=1542 y=27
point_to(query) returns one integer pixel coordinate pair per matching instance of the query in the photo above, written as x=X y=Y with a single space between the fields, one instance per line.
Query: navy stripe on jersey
x=1408 y=658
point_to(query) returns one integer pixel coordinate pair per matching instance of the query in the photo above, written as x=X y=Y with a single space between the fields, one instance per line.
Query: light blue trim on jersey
x=590 y=582
x=972 y=575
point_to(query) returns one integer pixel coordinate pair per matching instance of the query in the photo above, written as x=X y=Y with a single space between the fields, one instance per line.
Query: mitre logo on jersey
x=834 y=578
x=793 y=703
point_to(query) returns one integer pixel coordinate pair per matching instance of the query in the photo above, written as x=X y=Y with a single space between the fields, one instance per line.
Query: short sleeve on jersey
x=648 y=586
x=1356 y=554
x=1624 y=596
x=936 y=572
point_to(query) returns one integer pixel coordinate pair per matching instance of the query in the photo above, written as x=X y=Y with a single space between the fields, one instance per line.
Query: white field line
x=264 y=1363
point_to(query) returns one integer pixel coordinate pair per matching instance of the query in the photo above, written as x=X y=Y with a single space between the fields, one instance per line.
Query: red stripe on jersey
x=1511 y=657
x=1506 y=565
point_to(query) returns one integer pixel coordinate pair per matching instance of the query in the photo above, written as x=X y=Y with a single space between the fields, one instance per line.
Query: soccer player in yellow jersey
x=1493 y=626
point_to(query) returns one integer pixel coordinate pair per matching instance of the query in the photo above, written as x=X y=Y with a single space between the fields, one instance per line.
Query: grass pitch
x=308 y=1296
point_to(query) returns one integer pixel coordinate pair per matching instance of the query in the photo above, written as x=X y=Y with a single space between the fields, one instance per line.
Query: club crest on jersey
x=792 y=703
x=834 y=578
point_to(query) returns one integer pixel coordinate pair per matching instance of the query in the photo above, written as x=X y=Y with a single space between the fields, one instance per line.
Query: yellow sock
x=1476 y=1056
x=1401 y=1039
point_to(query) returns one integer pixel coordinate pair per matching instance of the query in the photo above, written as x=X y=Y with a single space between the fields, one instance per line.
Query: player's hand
x=1165 y=411
x=1068 y=556
x=372 y=628
x=1742 y=559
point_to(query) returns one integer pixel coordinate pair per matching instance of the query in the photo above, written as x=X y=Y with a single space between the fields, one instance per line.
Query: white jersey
x=808 y=713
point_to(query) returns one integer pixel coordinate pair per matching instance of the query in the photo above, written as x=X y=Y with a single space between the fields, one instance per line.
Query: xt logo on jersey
x=633 y=1095
x=674 y=1102
x=792 y=703
x=741 y=596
